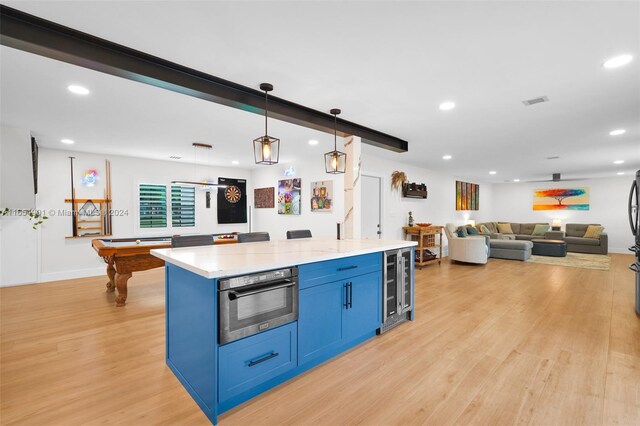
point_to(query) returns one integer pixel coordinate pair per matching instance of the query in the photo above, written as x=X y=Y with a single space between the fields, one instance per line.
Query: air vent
x=175 y=157
x=534 y=101
x=555 y=157
x=556 y=177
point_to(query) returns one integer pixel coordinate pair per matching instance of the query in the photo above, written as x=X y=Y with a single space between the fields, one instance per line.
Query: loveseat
x=574 y=237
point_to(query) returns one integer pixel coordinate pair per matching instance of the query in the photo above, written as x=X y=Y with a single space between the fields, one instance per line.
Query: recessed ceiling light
x=617 y=132
x=618 y=61
x=235 y=162
x=446 y=157
x=313 y=142
x=492 y=172
x=620 y=173
x=618 y=162
x=67 y=141
x=78 y=90
x=445 y=106
x=516 y=180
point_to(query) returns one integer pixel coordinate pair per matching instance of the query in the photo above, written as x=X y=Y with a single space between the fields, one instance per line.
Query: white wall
x=321 y=224
x=16 y=173
x=62 y=258
x=440 y=206
x=608 y=198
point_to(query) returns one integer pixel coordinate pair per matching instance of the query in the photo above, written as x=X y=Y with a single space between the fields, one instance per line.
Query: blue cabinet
x=364 y=313
x=334 y=315
x=248 y=363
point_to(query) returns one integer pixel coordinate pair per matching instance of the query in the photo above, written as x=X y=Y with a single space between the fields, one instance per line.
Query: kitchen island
x=244 y=318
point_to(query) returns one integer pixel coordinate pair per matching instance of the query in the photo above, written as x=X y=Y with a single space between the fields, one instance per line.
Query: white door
x=371 y=206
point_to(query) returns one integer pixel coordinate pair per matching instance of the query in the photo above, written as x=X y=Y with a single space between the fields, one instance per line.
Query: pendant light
x=335 y=162
x=266 y=149
x=204 y=183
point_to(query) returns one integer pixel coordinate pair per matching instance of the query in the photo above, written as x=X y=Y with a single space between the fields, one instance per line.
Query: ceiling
x=387 y=65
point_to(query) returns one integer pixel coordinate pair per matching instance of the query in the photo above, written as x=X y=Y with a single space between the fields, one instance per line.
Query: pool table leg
x=111 y=273
x=121 y=284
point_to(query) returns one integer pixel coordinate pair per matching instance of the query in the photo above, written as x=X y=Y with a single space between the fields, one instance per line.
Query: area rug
x=576 y=260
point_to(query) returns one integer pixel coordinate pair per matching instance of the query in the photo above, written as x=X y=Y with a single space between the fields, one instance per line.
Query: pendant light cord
x=266 y=111
x=335 y=132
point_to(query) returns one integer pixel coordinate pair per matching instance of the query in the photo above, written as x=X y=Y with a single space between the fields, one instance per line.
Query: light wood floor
x=505 y=343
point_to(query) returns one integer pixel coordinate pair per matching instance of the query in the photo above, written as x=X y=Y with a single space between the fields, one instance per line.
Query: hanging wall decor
x=289 y=196
x=321 y=196
x=467 y=196
x=232 y=201
x=561 y=199
x=263 y=198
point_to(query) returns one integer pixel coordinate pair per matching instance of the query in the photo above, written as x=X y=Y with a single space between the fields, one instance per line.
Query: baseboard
x=77 y=273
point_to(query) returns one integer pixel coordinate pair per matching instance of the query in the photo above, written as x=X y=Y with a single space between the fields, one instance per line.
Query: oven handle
x=236 y=294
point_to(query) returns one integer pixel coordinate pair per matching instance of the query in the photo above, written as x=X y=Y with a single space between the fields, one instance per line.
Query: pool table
x=124 y=256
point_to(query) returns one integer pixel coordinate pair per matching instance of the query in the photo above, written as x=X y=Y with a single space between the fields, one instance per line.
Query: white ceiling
x=387 y=65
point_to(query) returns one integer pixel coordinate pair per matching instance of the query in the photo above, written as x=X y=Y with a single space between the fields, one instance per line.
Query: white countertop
x=226 y=260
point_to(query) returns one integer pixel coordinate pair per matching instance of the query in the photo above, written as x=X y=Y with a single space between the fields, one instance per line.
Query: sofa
x=521 y=231
x=471 y=249
x=574 y=237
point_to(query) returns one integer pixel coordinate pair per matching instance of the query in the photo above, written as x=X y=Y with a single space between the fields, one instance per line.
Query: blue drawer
x=247 y=363
x=313 y=274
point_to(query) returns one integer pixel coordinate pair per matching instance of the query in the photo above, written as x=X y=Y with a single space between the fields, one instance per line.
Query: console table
x=428 y=238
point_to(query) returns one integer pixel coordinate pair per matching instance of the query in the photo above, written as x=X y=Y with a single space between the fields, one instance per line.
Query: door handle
x=263 y=359
x=633 y=221
x=346 y=295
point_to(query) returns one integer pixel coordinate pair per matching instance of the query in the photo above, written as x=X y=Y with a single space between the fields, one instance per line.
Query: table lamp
x=555 y=225
x=470 y=222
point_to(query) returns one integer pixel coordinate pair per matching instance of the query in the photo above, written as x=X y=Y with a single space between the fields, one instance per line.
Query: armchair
x=471 y=249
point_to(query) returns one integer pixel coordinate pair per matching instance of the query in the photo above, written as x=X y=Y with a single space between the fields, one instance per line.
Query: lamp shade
x=470 y=222
x=335 y=162
x=557 y=222
x=266 y=150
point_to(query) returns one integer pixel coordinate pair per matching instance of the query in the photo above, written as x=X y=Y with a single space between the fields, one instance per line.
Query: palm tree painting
x=561 y=199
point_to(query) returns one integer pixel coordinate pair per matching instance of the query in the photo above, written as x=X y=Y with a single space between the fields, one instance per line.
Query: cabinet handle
x=346 y=268
x=263 y=359
x=350 y=295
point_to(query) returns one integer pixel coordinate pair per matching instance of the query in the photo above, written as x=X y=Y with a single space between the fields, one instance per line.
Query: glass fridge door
x=390 y=284
x=405 y=282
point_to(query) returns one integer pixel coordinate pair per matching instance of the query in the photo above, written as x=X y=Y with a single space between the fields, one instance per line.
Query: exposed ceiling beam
x=32 y=34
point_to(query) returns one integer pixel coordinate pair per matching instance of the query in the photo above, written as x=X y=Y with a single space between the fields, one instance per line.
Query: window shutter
x=183 y=206
x=153 y=206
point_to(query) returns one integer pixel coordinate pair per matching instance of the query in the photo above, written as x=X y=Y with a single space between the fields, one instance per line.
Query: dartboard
x=232 y=194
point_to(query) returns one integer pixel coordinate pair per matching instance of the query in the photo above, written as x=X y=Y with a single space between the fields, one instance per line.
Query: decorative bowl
x=425 y=225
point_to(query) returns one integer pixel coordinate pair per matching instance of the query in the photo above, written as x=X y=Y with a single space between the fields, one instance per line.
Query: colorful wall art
x=561 y=199
x=289 y=196
x=467 y=196
x=321 y=194
x=263 y=198
x=232 y=201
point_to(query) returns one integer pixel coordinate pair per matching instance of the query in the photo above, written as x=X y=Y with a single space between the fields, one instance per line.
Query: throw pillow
x=594 y=231
x=461 y=232
x=472 y=231
x=540 y=230
x=484 y=229
x=505 y=228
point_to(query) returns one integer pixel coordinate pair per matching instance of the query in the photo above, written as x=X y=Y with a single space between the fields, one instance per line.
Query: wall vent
x=534 y=101
x=556 y=177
